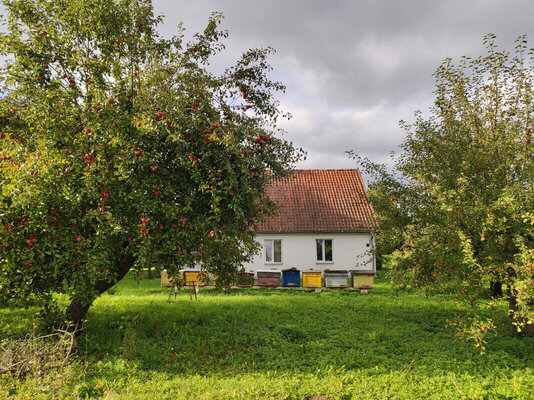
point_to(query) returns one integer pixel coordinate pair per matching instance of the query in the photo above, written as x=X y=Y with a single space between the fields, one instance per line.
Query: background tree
x=457 y=212
x=119 y=147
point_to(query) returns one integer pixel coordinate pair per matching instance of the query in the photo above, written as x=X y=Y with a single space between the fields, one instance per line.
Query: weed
x=269 y=344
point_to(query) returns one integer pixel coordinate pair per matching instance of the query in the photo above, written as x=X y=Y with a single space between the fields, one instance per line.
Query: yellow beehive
x=192 y=278
x=363 y=279
x=311 y=279
x=165 y=279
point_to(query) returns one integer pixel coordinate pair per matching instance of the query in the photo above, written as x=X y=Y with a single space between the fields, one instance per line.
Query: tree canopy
x=457 y=213
x=119 y=147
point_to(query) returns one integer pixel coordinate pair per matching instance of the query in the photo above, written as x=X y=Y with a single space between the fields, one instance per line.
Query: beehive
x=269 y=278
x=192 y=278
x=245 y=279
x=335 y=278
x=362 y=279
x=165 y=279
x=291 y=277
x=311 y=279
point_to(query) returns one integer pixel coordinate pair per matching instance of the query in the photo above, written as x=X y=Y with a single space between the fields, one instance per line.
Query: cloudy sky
x=353 y=69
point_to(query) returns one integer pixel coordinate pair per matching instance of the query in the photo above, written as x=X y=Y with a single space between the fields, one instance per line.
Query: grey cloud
x=353 y=68
x=361 y=51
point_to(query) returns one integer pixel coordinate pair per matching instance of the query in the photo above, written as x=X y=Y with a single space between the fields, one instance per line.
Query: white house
x=324 y=222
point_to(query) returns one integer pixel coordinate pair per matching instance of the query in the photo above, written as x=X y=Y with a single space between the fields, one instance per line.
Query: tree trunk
x=77 y=309
x=496 y=289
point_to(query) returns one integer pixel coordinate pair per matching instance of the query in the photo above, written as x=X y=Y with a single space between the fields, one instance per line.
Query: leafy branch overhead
x=456 y=214
x=120 y=147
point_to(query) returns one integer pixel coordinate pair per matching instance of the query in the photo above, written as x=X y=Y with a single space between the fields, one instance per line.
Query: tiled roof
x=319 y=200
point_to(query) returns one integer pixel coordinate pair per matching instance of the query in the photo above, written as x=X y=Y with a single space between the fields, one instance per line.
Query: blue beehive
x=291 y=277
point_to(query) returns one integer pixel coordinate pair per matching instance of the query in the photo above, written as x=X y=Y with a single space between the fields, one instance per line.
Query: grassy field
x=277 y=344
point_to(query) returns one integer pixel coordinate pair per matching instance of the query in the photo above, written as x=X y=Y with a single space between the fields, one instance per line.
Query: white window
x=324 y=250
x=273 y=250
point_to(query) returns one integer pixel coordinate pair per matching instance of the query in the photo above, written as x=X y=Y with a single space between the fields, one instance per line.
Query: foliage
x=50 y=317
x=456 y=214
x=266 y=344
x=120 y=147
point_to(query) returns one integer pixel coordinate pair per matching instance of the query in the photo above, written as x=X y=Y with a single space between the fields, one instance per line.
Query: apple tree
x=457 y=212
x=119 y=147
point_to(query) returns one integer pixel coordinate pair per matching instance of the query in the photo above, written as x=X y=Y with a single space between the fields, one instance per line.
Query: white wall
x=349 y=251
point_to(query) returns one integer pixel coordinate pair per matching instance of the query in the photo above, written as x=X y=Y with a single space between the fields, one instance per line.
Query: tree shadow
x=248 y=331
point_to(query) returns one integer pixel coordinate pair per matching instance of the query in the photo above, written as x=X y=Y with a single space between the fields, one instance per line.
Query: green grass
x=279 y=344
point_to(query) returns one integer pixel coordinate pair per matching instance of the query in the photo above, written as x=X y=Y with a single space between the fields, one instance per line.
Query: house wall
x=349 y=251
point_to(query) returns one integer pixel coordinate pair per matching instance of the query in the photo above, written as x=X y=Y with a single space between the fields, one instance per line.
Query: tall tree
x=457 y=214
x=119 y=147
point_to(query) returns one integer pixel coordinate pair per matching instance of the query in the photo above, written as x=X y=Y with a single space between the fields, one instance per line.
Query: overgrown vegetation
x=278 y=344
x=119 y=147
x=455 y=214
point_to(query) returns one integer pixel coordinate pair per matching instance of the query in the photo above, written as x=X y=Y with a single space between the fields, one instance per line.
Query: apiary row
x=288 y=278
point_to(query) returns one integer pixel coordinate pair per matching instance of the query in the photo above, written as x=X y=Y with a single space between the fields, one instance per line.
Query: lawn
x=278 y=344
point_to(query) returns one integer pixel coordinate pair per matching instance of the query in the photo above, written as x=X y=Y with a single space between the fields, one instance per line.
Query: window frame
x=323 y=248
x=272 y=251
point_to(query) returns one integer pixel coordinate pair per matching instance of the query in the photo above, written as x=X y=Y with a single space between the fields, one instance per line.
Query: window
x=324 y=250
x=273 y=250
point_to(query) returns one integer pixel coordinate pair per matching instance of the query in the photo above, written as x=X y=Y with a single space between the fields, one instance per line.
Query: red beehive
x=269 y=278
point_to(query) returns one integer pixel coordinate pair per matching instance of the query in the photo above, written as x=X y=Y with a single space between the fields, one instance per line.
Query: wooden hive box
x=165 y=279
x=245 y=279
x=362 y=279
x=192 y=277
x=335 y=278
x=269 y=278
x=312 y=279
x=216 y=281
x=291 y=277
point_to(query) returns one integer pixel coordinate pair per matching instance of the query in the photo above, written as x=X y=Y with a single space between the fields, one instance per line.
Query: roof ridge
x=323 y=169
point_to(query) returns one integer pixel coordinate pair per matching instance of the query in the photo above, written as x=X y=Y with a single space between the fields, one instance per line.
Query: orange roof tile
x=319 y=200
